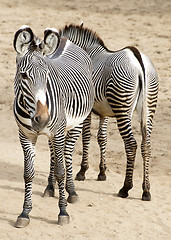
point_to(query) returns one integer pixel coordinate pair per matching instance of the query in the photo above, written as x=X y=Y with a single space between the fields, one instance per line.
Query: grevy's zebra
x=53 y=93
x=124 y=80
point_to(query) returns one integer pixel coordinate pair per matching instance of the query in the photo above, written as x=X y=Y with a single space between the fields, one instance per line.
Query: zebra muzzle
x=41 y=117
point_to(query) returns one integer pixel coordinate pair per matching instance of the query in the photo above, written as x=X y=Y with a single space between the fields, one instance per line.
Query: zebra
x=54 y=93
x=124 y=80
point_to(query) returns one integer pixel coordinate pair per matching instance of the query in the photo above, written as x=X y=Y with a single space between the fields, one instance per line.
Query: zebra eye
x=24 y=75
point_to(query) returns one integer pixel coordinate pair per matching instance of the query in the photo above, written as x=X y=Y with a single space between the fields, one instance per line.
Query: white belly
x=103 y=108
x=73 y=122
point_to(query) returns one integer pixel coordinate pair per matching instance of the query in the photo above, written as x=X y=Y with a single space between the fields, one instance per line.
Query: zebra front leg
x=29 y=156
x=102 y=141
x=70 y=141
x=125 y=130
x=50 y=189
x=86 y=142
x=59 y=173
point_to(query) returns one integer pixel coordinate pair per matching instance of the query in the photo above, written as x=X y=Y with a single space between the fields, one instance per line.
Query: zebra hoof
x=122 y=193
x=101 y=177
x=22 y=222
x=72 y=198
x=80 y=176
x=146 y=196
x=49 y=192
x=63 y=219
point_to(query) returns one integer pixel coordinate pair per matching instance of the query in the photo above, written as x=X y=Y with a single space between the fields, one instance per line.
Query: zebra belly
x=103 y=109
x=73 y=122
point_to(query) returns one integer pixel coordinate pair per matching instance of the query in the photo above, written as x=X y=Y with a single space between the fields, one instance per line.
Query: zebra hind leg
x=146 y=128
x=50 y=189
x=130 y=149
x=102 y=141
x=125 y=130
x=86 y=142
x=146 y=152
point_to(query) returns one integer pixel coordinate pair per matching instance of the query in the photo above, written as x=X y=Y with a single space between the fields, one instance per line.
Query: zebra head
x=33 y=72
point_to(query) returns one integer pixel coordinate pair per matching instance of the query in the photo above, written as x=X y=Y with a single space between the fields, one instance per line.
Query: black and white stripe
x=124 y=80
x=54 y=93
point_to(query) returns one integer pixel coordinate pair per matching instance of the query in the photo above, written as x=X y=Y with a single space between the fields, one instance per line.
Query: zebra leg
x=146 y=128
x=86 y=142
x=102 y=141
x=70 y=141
x=28 y=146
x=59 y=173
x=50 y=189
x=146 y=152
x=124 y=125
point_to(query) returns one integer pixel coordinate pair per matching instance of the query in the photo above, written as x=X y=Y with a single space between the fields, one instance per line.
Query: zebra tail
x=149 y=96
x=142 y=102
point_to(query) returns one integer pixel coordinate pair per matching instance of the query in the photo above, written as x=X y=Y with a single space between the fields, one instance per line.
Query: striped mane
x=35 y=44
x=83 y=37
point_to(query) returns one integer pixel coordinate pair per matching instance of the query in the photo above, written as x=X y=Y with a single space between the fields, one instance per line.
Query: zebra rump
x=124 y=80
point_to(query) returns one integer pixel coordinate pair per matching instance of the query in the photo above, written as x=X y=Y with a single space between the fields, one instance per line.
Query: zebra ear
x=51 y=41
x=22 y=39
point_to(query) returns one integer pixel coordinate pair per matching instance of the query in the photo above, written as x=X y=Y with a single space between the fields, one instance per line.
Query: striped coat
x=54 y=93
x=124 y=80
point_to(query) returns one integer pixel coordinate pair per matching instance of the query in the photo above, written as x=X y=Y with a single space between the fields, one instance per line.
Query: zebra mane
x=35 y=44
x=83 y=37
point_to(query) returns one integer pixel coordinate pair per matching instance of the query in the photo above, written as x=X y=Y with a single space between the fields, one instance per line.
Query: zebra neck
x=83 y=37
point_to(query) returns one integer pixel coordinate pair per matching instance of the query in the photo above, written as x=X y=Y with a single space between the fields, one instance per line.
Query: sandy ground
x=99 y=214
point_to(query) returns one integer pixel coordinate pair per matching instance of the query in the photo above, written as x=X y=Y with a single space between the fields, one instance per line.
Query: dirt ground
x=99 y=213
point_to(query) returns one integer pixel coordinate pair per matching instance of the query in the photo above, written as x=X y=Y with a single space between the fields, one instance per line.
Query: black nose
x=39 y=122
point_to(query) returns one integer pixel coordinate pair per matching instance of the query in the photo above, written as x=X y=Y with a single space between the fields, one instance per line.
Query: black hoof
x=146 y=196
x=101 y=177
x=72 y=198
x=123 y=193
x=80 y=176
x=49 y=192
